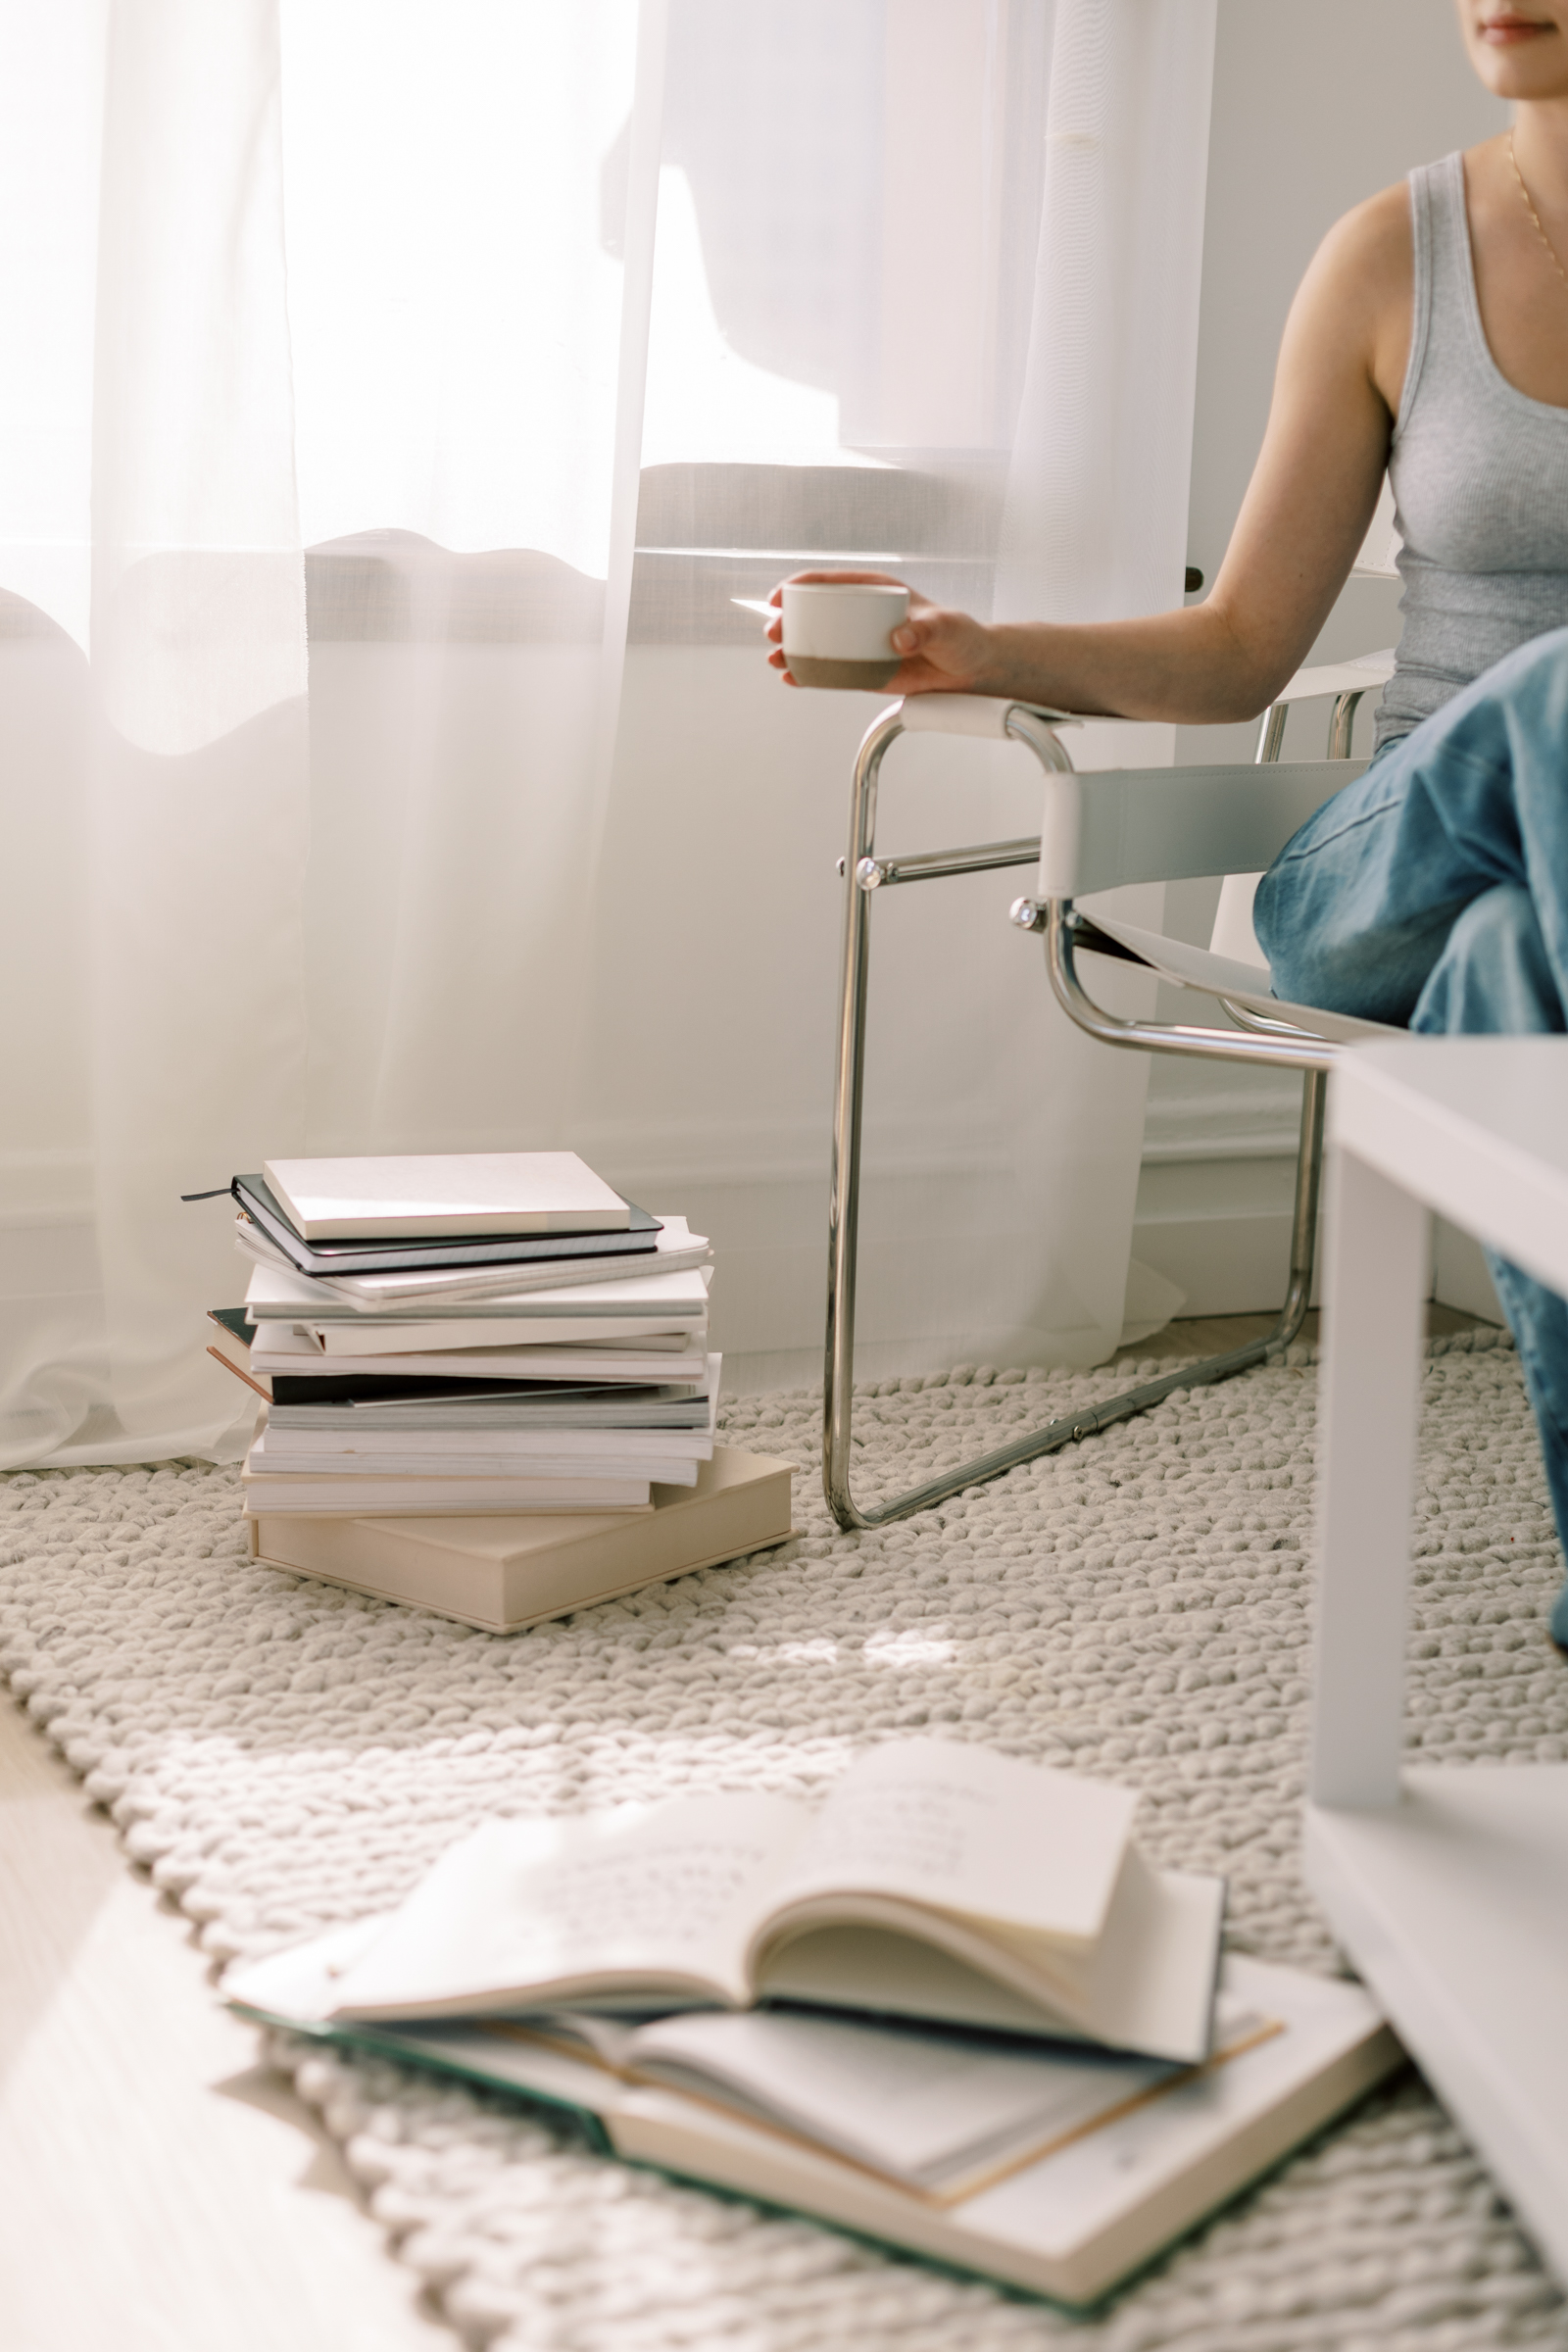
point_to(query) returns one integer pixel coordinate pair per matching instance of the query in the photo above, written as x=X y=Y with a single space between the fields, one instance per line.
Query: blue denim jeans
x=1433 y=892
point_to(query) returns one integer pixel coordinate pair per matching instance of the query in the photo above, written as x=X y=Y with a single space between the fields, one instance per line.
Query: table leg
x=1370 y=1400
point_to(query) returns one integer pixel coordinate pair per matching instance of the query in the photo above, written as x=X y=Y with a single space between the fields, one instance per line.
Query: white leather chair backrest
x=1164 y=824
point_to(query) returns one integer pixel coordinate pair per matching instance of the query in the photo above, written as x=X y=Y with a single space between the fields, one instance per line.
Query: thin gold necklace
x=1535 y=216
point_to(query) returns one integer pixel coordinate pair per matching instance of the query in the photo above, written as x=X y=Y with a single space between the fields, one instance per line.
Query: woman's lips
x=1504 y=32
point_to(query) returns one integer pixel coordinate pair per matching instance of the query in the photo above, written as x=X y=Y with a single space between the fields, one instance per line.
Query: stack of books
x=461 y=1337
x=954 y=2008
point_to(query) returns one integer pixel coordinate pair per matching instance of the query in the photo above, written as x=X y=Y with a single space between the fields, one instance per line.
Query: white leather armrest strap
x=986 y=714
x=1339 y=677
x=970 y=714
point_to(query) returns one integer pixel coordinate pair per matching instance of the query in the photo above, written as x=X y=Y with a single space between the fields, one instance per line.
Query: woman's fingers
x=941 y=650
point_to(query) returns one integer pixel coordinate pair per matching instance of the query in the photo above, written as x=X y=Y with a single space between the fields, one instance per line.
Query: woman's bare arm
x=1305 y=513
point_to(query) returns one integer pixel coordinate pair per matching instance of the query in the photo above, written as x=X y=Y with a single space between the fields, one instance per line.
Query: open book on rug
x=935 y=1880
x=1061 y=2167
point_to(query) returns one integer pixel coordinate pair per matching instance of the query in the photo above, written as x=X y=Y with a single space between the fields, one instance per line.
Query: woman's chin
x=1526 y=66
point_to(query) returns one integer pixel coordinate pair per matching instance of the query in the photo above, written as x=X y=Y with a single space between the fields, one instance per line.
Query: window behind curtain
x=848 y=218
x=849 y=212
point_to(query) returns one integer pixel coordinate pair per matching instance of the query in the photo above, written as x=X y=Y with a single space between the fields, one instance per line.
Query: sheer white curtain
x=152 y=712
x=401 y=393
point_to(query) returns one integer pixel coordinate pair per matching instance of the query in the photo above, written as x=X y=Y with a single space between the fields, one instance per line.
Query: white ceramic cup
x=839 y=632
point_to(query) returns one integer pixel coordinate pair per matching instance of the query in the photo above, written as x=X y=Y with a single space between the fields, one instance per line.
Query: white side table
x=1449 y=1888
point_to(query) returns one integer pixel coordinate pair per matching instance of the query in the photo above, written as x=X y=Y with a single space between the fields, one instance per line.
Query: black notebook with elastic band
x=260 y=1205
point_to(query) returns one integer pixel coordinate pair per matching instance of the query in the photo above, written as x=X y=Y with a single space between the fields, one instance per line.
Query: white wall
x=1316 y=108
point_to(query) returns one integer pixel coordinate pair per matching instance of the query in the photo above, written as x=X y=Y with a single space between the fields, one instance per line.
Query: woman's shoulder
x=1355 y=304
x=1374 y=242
x=1364 y=265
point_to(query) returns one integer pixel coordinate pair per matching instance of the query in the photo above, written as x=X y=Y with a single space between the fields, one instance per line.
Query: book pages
x=954 y=1826
x=648 y=1894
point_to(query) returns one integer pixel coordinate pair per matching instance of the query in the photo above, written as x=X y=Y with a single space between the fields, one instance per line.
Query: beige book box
x=502 y=1574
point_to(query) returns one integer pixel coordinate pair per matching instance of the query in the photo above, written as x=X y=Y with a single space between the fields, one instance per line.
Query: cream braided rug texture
x=283 y=1755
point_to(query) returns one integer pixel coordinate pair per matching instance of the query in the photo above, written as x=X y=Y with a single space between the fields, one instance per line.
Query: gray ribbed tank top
x=1480 y=479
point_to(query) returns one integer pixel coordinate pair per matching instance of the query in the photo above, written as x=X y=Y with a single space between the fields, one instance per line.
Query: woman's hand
x=944 y=653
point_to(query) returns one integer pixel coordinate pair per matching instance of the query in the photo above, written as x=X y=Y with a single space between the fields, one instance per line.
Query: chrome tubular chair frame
x=1258 y=1040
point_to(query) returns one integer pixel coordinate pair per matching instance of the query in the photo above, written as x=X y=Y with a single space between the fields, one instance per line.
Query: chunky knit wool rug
x=283 y=1755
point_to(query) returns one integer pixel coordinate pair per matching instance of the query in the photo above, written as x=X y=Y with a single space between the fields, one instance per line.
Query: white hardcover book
x=552 y=1404
x=319 y=1497
x=444 y=1196
x=280 y=1347
x=389 y=1339
x=1061 y=2172
x=276 y=1294
x=301 y=1449
x=419 y=1457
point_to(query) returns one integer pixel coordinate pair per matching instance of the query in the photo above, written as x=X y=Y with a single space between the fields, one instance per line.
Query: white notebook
x=442 y=1194
x=661 y=1301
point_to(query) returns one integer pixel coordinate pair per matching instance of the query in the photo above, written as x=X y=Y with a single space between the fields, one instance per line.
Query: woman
x=1429 y=338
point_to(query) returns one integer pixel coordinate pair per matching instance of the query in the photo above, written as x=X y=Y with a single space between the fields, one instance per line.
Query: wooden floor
x=1212 y=1335
x=158 y=2191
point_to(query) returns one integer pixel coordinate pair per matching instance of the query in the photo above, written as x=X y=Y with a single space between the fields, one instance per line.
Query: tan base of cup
x=812 y=670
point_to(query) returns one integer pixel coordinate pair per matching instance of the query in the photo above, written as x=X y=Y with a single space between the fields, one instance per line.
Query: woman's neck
x=1540 y=151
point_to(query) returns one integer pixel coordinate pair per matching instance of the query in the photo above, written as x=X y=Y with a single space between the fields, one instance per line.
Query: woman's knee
x=1493 y=976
